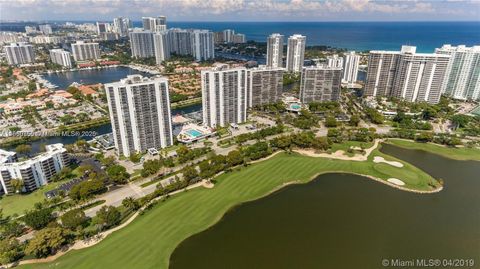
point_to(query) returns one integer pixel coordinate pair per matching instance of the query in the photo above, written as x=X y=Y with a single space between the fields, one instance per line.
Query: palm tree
x=17 y=185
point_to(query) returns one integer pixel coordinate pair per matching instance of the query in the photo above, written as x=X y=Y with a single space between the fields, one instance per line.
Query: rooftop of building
x=49 y=150
x=136 y=79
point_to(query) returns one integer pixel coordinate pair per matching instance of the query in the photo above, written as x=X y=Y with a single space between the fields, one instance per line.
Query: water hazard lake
x=347 y=221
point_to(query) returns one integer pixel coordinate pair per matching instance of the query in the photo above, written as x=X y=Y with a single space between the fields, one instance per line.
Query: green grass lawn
x=149 y=241
x=18 y=203
x=449 y=152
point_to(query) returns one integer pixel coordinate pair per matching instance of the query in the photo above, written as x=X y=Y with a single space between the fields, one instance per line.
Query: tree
x=38 y=219
x=74 y=219
x=108 y=216
x=23 y=149
x=461 y=120
x=354 y=120
x=117 y=173
x=189 y=173
x=10 y=250
x=47 y=241
x=424 y=137
x=135 y=157
x=17 y=184
x=86 y=189
x=234 y=158
x=131 y=203
x=330 y=121
x=151 y=167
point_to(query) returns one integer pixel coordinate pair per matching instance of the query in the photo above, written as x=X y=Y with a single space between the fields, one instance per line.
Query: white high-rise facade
x=335 y=61
x=141 y=44
x=45 y=29
x=61 y=57
x=140 y=114
x=405 y=74
x=34 y=172
x=19 y=53
x=264 y=85
x=224 y=96
x=296 y=53
x=320 y=83
x=350 y=67
x=203 y=47
x=155 y=24
x=121 y=25
x=275 y=51
x=85 y=51
x=161 y=46
x=462 y=80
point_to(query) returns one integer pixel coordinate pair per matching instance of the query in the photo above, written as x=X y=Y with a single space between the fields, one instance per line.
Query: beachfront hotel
x=83 y=51
x=61 y=57
x=462 y=80
x=140 y=114
x=19 y=53
x=275 y=51
x=264 y=85
x=296 y=53
x=405 y=74
x=224 y=95
x=34 y=172
x=320 y=83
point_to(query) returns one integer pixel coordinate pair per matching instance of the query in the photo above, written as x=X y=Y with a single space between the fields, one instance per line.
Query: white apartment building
x=140 y=114
x=34 y=172
x=462 y=80
x=85 y=51
x=335 y=61
x=275 y=51
x=61 y=57
x=12 y=37
x=405 y=74
x=141 y=44
x=161 y=46
x=320 y=83
x=224 y=96
x=155 y=24
x=121 y=25
x=43 y=39
x=296 y=53
x=45 y=29
x=350 y=67
x=264 y=85
x=203 y=47
x=19 y=53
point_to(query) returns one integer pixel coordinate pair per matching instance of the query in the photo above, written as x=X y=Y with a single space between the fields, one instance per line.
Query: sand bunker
x=396 y=181
x=378 y=159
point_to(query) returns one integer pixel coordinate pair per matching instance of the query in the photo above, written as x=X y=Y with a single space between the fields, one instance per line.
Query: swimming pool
x=295 y=106
x=194 y=133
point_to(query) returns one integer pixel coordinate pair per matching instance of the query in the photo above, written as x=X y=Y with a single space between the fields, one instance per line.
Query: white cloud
x=229 y=9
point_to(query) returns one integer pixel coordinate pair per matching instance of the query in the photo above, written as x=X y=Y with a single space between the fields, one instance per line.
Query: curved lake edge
x=221 y=215
x=428 y=147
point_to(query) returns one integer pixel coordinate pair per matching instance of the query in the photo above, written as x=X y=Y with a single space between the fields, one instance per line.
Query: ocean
x=358 y=36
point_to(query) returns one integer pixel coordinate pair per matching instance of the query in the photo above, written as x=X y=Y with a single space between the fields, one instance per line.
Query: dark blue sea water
x=350 y=35
x=356 y=35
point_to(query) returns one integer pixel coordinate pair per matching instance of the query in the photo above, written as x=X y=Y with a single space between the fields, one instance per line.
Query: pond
x=347 y=221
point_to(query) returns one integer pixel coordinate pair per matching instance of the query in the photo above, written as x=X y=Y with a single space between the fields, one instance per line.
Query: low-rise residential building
x=34 y=172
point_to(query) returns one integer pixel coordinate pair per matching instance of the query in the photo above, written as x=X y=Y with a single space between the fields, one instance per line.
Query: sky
x=243 y=10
